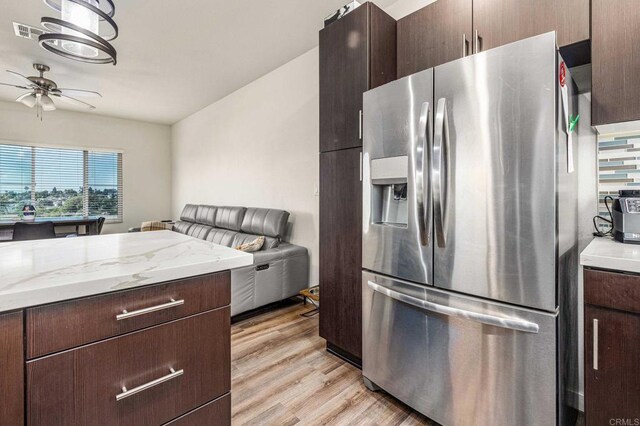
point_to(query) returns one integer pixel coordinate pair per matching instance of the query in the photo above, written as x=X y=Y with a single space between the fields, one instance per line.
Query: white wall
x=146 y=150
x=258 y=147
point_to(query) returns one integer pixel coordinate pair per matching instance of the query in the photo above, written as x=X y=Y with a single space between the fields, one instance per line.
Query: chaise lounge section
x=280 y=269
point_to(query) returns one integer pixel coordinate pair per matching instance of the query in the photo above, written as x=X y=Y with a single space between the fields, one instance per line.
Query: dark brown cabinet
x=357 y=53
x=499 y=22
x=612 y=346
x=450 y=29
x=439 y=32
x=341 y=251
x=615 y=53
x=12 y=376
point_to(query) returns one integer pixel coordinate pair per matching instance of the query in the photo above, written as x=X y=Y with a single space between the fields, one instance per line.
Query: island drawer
x=65 y=325
x=148 y=377
x=612 y=290
x=216 y=412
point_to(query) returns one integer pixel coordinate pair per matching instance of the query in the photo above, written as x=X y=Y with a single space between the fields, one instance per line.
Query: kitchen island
x=116 y=329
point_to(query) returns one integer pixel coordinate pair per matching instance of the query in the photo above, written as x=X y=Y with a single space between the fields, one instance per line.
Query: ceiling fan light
x=29 y=100
x=47 y=103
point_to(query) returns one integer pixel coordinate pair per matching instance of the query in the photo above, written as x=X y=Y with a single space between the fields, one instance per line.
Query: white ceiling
x=174 y=56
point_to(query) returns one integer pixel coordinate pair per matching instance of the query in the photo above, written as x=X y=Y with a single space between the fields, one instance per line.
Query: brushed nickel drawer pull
x=595 y=344
x=125 y=314
x=128 y=392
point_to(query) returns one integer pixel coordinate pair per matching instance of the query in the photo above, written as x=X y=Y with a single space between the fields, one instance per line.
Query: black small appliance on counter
x=626 y=216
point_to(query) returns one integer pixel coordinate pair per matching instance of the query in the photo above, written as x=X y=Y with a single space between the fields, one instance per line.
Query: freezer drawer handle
x=422 y=178
x=126 y=393
x=510 y=323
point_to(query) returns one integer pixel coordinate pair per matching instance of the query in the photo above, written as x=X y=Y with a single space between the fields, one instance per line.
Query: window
x=60 y=182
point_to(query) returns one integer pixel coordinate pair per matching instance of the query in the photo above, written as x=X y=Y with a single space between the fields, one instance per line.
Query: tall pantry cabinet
x=357 y=53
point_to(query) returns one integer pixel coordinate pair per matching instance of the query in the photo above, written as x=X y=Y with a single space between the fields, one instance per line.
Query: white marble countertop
x=606 y=253
x=45 y=271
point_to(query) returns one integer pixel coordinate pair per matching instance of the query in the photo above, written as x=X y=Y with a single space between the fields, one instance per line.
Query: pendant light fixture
x=76 y=35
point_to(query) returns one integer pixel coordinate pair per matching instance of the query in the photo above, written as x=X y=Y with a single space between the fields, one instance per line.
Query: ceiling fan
x=42 y=90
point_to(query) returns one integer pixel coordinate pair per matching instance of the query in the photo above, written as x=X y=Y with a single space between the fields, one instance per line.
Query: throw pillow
x=251 y=246
x=155 y=225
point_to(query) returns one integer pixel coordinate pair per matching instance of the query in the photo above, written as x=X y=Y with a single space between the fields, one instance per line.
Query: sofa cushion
x=222 y=237
x=182 y=227
x=230 y=217
x=251 y=246
x=189 y=213
x=284 y=251
x=199 y=231
x=206 y=215
x=268 y=222
x=242 y=238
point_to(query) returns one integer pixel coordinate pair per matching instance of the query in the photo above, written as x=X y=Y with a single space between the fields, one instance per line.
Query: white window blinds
x=60 y=182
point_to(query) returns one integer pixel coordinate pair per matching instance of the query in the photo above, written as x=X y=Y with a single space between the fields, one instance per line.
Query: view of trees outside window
x=52 y=180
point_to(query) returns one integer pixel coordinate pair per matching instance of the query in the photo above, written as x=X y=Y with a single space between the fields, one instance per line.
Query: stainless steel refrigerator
x=470 y=238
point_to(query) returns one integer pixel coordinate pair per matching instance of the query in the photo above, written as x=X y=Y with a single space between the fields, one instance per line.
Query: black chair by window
x=23 y=231
x=101 y=220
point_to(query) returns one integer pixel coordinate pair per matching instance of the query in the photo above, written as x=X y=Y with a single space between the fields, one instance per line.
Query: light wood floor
x=281 y=374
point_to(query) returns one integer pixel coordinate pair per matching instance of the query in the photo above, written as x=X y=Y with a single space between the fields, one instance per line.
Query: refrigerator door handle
x=422 y=173
x=503 y=322
x=441 y=171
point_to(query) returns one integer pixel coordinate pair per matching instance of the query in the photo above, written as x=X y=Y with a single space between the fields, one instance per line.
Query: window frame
x=85 y=173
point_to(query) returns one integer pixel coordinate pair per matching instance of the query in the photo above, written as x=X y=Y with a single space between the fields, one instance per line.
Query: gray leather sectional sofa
x=280 y=270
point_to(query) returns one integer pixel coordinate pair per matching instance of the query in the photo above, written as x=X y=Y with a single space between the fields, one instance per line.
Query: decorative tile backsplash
x=618 y=167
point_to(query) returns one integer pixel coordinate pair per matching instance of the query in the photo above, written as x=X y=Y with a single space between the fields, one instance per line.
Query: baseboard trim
x=344 y=355
x=266 y=308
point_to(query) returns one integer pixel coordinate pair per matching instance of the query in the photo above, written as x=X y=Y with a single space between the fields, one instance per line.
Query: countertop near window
x=45 y=271
x=606 y=253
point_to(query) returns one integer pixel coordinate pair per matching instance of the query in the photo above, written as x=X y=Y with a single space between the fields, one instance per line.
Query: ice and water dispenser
x=389 y=191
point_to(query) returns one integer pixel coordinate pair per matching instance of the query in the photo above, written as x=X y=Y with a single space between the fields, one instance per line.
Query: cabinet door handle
x=478 y=40
x=125 y=314
x=360 y=166
x=126 y=393
x=465 y=45
x=595 y=344
x=360 y=124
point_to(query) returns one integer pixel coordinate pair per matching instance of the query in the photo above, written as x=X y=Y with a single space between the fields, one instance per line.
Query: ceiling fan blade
x=13 y=85
x=28 y=99
x=74 y=101
x=78 y=92
x=22 y=78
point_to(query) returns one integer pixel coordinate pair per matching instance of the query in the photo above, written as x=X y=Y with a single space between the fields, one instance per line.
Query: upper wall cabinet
x=433 y=35
x=615 y=54
x=498 y=22
x=357 y=53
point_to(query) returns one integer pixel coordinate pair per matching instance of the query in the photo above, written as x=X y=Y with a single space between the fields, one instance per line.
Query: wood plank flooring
x=281 y=374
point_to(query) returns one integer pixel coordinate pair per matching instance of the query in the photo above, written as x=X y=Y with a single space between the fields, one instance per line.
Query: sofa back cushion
x=222 y=237
x=230 y=217
x=206 y=215
x=189 y=213
x=182 y=227
x=242 y=238
x=198 y=230
x=267 y=222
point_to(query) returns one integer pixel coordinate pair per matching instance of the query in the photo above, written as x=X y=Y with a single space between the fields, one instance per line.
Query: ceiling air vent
x=26 y=31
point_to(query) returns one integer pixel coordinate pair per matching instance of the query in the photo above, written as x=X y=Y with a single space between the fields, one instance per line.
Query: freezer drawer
x=456 y=359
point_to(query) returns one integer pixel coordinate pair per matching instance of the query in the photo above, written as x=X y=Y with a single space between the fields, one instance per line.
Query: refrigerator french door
x=471 y=327
x=397 y=213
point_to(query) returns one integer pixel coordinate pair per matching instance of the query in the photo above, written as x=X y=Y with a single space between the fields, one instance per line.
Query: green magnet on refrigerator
x=573 y=122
